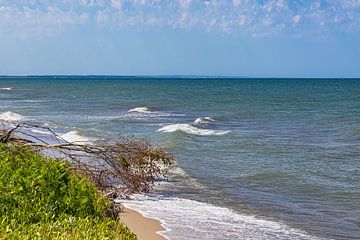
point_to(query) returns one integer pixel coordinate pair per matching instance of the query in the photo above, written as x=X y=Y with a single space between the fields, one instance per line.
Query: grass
x=41 y=199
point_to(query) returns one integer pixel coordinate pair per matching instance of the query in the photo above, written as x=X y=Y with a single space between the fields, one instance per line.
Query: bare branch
x=124 y=167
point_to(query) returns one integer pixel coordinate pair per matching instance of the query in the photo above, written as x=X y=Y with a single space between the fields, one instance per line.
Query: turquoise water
x=282 y=151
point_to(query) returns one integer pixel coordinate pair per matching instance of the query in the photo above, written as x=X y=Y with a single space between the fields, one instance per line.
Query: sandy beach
x=144 y=228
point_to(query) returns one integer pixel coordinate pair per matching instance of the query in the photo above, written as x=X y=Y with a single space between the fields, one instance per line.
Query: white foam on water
x=147 y=112
x=50 y=125
x=187 y=219
x=140 y=110
x=179 y=171
x=204 y=120
x=75 y=137
x=11 y=117
x=41 y=131
x=186 y=180
x=190 y=129
x=6 y=88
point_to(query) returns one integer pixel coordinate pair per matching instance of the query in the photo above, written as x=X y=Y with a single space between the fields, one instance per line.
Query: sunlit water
x=256 y=159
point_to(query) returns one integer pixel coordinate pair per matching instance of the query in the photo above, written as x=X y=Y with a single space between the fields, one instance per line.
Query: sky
x=247 y=38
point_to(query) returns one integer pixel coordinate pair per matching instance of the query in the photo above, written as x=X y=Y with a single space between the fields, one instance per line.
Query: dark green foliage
x=40 y=198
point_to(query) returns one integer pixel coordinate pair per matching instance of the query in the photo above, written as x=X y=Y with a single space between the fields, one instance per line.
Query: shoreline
x=145 y=228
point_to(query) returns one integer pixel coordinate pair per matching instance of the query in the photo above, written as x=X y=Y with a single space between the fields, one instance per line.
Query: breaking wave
x=189 y=219
x=147 y=112
x=41 y=131
x=140 y=110
x=6 y=88
x=11 y=117
x=190 y=129
x=75 y=137
x=204 y=120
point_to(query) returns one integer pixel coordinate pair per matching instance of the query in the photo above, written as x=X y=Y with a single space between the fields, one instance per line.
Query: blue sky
x=259 y=38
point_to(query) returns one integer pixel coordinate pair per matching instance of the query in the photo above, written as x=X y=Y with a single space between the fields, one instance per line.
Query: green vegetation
x=41 y=198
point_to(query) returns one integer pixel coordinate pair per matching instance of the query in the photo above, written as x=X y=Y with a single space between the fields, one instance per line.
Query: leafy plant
x=42 y=198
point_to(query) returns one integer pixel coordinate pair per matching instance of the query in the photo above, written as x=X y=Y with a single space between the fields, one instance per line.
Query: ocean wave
x=204 y=120
x=267 y=175
x=188 y=219
x=11 y=117
x=75 y=137
x=179 y=171
x=50 y=125
x=144 y=112
x=178 y=174
x=6 y=88
x=41 y=131
x=140 y=110
x=190 y=129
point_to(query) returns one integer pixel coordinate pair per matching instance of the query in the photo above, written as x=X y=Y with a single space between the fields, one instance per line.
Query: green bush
x=41 y=199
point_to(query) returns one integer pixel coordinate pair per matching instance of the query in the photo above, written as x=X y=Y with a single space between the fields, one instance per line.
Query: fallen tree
x=119 y=168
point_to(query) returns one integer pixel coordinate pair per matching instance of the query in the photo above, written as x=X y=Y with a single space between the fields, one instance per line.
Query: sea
x=255 y=158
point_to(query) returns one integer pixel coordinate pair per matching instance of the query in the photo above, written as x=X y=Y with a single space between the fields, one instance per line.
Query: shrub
x=41 y=198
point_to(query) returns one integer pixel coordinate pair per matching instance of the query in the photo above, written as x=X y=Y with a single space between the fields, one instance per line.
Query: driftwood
x=120 y=168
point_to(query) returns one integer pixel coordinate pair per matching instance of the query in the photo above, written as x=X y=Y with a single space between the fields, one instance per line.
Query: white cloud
x=296 y=19
x=267 y=17
x=24 y=21
x=350 y=4
x=242 y=20
x=116 y=4
x=237 y=2
x=185 y=3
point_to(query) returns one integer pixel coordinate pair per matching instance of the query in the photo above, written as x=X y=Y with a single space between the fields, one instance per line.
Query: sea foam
x=6 y=88
x=11 y=117
x=204 y=120
x=190 y=129
x=75 y=137
x=188 y=219
x=145 y=112
x=41 y=131
x=140 y=110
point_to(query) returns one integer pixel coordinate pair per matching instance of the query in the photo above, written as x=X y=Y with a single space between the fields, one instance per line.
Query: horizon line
x=164 y=76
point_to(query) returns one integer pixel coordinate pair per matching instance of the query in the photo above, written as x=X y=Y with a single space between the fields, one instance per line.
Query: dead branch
x=6 y=137
x=122 y=167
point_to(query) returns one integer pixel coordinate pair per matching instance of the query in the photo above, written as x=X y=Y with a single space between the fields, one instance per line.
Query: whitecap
x=189 y=219
x=11 y=117
x=190 y=129
x=6 y=88
x=145 y=112
x=204 y=120
x=75 y=137
x=140 y=110
x=41 y=131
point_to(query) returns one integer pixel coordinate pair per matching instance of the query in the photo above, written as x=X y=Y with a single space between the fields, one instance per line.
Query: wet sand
x=144 y=228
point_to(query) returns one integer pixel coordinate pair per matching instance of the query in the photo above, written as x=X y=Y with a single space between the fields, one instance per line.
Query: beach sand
x=144 y=228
